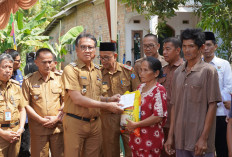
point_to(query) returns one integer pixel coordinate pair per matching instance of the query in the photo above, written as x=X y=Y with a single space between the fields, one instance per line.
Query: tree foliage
x=215 y=16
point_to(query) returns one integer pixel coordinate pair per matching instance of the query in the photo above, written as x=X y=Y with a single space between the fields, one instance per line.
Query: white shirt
x=225 y=83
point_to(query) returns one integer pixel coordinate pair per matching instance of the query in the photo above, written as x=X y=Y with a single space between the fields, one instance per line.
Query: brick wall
x=93 y=19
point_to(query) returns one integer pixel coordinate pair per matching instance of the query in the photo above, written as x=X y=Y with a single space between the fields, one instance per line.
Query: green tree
x=66 y=39
x=215 y=16
x=27 y=33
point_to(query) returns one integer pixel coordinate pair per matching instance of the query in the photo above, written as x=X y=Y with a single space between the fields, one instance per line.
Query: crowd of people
x=185 y=102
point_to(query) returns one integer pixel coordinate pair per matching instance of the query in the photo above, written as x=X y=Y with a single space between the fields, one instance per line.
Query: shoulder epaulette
x=127 y=67
x=73 y=64
x=28 y=75
x=97 y=66
x=14 y=81
x=59 y=72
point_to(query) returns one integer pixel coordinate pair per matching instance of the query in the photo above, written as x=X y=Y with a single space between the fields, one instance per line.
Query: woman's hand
x=131 y=126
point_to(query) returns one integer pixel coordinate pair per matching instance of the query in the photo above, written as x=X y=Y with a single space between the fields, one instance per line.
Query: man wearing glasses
x=150 y=48
x=83 y=89
x=117 y=79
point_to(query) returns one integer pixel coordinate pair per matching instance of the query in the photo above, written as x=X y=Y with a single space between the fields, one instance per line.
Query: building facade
x=131 y=27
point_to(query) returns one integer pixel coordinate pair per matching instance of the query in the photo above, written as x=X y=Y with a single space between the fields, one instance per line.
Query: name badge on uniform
x=35 y=86
x=7 y=115
x=83 y=77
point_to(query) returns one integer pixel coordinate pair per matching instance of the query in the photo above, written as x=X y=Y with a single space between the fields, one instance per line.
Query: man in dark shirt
x=194 y=96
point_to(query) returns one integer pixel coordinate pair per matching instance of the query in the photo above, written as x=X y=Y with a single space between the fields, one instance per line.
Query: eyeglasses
x=18 y=60
x=150 y=46
x=105 y=58
x=85 y=48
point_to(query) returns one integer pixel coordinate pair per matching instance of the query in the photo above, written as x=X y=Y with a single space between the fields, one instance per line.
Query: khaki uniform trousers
x=111 y=136
x=40 y=145
x=8 y=149
x=81 y=138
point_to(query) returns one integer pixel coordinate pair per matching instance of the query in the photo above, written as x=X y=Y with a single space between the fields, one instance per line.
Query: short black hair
x=13 y=53
x=42 y=50
x=175 y=41
x=154 y=65
x=193 y=34
x=153 y=36
x=85 y=35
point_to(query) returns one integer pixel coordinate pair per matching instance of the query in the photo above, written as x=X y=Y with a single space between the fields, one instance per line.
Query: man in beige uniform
x=117 y=78
x=83 y=89
x=150 y=48
x=12 y=111
x=43 y=92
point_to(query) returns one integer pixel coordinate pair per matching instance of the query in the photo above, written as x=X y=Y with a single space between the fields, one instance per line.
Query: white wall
x=176 y=22
x=131 y=26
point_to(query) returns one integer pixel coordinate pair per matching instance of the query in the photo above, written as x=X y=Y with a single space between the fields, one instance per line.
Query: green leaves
x=71 y=35
x=19 y=19
x=216 y=15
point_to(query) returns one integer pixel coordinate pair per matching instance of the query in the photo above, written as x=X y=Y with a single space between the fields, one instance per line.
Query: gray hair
x=6 y=57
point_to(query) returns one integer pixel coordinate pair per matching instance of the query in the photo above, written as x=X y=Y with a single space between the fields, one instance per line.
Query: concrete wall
x=131 y=26
x=176 y=22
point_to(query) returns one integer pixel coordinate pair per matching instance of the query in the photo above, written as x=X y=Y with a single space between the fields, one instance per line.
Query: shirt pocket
x=195 y=93
x=125 y=86
x=15 y=100
x=98 y=88
x=36 y=95
x=55 y=97
x=105 y=88
x=84 y=86
x=56 y=90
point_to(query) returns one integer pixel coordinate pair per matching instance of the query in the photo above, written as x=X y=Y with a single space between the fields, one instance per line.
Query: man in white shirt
x=224 y=72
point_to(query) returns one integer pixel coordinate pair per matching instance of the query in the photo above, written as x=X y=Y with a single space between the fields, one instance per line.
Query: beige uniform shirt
x=76 y=76
x=191 y=94
x=139 y=62
x=123 y=79
x=10 y=99
x=45 y=98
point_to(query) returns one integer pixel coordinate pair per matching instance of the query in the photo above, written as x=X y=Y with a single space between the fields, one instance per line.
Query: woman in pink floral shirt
x=153 y=112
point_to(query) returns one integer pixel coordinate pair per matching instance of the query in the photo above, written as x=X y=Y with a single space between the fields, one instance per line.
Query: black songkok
x=107 y=46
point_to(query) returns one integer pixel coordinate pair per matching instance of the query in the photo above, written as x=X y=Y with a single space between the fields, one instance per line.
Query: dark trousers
x=25 y=143
x=220 y=138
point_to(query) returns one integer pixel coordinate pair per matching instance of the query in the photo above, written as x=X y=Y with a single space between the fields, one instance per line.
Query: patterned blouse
x=153 y=102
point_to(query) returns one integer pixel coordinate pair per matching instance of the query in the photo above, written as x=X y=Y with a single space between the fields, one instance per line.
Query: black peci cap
x=107 y=46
